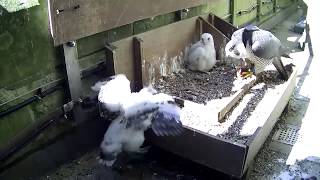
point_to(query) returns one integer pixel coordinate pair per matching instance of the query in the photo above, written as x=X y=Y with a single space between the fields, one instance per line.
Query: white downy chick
x=138 y=112
x=202 y=55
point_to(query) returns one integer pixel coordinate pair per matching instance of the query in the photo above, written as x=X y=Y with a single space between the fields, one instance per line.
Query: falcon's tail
x=284 y=52
x=280 y=67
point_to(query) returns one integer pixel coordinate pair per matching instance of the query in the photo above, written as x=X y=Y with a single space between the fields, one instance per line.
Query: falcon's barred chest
x=259 y=63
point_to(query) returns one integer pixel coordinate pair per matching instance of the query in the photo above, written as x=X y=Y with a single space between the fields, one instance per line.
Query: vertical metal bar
x=259 y=3
x=275 y=6
x=73 y=70
x=137 y=53
x=110 y=58
x=233 y=5
x=74 y=79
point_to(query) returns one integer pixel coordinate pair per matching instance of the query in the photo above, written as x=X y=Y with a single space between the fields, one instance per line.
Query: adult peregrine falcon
x=259 y=46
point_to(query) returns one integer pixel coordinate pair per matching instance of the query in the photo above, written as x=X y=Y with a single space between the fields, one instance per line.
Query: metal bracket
x=247 y=11
x=182 y=14
x=266 y=2
x=68 y=9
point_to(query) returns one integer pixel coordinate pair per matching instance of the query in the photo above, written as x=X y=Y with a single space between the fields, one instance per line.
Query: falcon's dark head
x=247 y=34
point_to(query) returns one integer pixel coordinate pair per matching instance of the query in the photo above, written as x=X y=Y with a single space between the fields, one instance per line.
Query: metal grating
x=287 y=135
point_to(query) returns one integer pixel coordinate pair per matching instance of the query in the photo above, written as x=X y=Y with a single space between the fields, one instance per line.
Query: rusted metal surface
x=204 y=149
x=74 y=19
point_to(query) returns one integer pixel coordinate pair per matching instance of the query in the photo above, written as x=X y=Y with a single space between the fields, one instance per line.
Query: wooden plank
x=137 y=53
x=199 y=28
x=234 y=100
x=223 y=26
x=110 y=52
x=273 y=110
x=74 y=19
x=162 y=56
x=211 y=151
x=124 y=63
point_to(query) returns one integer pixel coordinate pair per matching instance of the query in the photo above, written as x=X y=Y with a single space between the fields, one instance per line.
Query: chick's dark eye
x=208 y=38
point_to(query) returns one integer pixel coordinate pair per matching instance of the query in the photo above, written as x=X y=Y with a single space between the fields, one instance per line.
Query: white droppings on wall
x=163 y=64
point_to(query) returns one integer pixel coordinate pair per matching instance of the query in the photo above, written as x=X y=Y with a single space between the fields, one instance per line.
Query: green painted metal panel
x=92 y=44
x=245 y=11
x=26 y=51
x=284 y=3
x=220 y=8
x=14 y=124
x=266 y=7
x=28 y=61
x=152 y=23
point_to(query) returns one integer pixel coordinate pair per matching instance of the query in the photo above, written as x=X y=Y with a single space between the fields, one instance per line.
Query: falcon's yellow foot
x=246 y=74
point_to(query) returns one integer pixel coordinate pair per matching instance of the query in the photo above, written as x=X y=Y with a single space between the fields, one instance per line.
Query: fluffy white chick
x=202 y=55
x=138 y=112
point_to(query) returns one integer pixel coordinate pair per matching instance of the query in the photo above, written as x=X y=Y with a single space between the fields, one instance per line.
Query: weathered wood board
x=266 y=115
x=165 y=42
x=236 y=158
x=74 y=19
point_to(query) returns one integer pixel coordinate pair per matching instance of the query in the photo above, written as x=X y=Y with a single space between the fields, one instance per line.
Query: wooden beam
x=137 y=53
x=199 y=27
x=234 y=100
x=74 y=19
x=233 y=11
x=225 y=27
x=110 y=58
